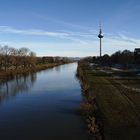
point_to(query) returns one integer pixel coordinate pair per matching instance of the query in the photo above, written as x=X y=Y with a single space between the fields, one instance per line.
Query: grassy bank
x=118 y=106
x=9 y=74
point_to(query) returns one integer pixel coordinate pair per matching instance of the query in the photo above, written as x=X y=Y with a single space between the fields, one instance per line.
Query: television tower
x=100 y=36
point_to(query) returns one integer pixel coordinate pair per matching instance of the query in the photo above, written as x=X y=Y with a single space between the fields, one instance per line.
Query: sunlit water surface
x=42 y=106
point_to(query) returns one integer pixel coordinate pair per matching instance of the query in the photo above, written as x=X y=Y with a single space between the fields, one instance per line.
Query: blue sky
x=70 y=27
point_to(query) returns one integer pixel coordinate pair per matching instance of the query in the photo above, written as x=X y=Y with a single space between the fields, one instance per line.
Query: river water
x=42 y=106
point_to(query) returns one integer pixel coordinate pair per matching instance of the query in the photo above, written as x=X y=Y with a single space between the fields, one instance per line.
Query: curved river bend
x=42 y=106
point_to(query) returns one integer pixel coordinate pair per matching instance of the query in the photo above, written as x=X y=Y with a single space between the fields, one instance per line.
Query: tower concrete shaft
x=100 y=36
x=100 y=47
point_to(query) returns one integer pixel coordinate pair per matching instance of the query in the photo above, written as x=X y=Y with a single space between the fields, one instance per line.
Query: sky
x=70 y=27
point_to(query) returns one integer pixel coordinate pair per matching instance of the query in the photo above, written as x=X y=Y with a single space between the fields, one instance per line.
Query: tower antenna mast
x=100 y=36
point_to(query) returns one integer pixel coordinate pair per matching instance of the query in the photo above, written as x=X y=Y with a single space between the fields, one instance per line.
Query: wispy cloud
x=32 y=32
x=72 y=36
x=62 y=22
x=83 y=37
x=128 y=39
x=85 y=41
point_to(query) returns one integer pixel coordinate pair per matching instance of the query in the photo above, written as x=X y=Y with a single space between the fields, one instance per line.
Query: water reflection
x=17 y=85
x=47 y=112
x=57 y=69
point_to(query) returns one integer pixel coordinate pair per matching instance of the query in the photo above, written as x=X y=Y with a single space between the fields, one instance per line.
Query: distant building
x=137 y=55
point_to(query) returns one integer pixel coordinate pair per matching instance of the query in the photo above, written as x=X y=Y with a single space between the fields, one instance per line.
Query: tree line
x=124 y=58
x=13 y=58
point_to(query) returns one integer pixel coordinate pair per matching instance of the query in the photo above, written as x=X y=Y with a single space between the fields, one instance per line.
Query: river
x=42 y=106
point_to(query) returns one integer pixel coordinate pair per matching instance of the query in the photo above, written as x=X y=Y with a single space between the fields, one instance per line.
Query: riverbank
x=9 y=74
x=115 y=108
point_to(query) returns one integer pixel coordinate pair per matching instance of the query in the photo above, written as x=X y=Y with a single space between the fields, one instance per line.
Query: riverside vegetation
x=22 y=61
x=111 y=106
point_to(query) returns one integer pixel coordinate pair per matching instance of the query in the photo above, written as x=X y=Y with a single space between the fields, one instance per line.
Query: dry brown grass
x=9 y=74
x=119 y=109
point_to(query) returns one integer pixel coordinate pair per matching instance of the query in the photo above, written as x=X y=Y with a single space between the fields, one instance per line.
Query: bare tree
x=32 y=59
x=23 y=53
x=15 y=57
x=1 y=58
x=6 y=51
